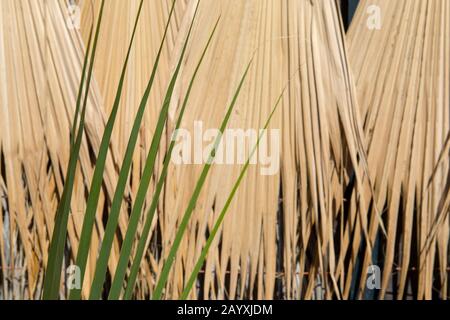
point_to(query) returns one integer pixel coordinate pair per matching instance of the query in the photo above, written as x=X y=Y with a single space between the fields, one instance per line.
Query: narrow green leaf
x=97 y=180
x=80 y=90
x=222 y=214
x=53 y=274
x=111 y=226
x=136 y=212
x=193 y=201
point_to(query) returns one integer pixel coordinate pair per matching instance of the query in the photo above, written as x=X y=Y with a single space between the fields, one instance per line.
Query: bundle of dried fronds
x=118 y=21
x=364 y=155
x=402 y=76
x=294 y=43
x=41 y=63
x=316 y=103
x=119 y=18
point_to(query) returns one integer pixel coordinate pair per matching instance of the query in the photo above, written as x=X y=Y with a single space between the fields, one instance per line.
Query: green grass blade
x=97 y=180
x=222 y=214
x=80 y=91
x=53 y=274
x=111 y=226
x=136 y=212
x=193 y=201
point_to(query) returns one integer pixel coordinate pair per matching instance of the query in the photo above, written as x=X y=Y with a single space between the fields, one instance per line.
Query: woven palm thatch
x=364 y=131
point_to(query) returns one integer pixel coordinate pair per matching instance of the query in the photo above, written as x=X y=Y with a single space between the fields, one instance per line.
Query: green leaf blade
x=54 y=264
x=220 y=219
x=132 y=228
x=193 y=201
x=97 y=180
x=111 y=226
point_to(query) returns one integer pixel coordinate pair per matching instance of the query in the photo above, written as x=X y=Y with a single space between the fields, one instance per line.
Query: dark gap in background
x=348 y=8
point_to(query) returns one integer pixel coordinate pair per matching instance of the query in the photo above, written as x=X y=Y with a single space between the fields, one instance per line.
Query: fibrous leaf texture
x=364 y=121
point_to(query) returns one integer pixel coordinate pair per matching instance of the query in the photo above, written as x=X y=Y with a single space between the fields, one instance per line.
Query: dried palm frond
x=265 y=243
x=402 y=71
x=364 y=166
x=112 y=48
x=41 y=62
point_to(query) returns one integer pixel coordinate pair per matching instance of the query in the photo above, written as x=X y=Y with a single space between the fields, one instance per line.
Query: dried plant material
x=320 y=144
x=115 y=35
x=42 y=61
x=402 y=76
x=352 y=175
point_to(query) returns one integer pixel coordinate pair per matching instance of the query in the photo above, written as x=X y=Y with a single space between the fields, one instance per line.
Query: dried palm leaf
x=38 y=100
x=321 y=147
x=402 y=76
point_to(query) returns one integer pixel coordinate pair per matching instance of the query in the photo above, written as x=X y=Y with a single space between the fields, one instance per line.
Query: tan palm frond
x=294 y=43
x=112 y=48
x=364 y=157
x=402 y=77
x=41 y=63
